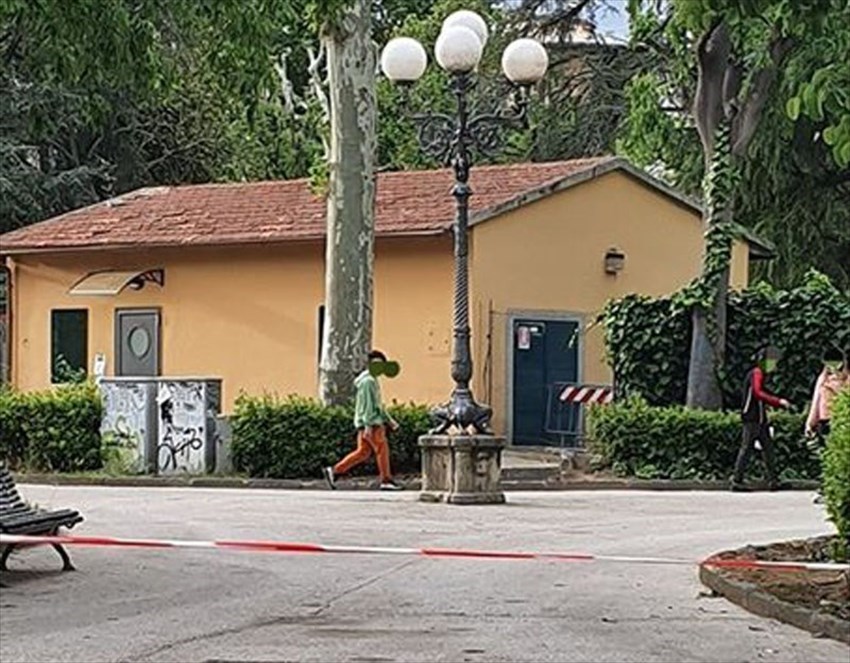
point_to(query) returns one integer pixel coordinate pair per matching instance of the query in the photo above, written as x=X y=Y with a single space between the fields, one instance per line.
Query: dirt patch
x=822 y=591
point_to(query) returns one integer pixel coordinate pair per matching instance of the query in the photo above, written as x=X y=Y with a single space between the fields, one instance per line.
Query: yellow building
x=226 y=280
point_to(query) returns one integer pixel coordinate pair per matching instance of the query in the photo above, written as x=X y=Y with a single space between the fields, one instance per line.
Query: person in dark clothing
x=756 y=432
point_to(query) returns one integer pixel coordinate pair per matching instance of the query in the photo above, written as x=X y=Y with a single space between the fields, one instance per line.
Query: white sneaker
x=390 y=485
x=328 y=473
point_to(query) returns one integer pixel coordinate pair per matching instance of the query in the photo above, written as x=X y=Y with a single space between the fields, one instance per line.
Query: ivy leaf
x=792 y=107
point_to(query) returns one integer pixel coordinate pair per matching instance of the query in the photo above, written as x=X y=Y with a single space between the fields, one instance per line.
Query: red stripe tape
x=753 y=564
x=443 y=552
x=311 y=548
x=569 y=557
x=271 y=546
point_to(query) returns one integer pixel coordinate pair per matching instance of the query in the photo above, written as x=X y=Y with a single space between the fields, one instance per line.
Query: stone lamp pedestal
x=462 y=469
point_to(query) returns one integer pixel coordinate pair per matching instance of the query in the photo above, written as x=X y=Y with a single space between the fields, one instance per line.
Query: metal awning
x=109 y=283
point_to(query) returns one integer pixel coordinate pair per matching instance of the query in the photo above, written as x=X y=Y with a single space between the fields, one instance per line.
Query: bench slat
x=18 y=517
x=37 y=517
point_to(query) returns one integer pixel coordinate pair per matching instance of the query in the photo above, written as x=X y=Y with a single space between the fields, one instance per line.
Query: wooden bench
x=17 y=517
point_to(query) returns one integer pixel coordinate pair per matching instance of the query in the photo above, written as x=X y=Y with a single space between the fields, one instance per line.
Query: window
x=69 y=332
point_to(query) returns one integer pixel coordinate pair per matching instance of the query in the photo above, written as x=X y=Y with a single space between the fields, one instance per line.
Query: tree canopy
x=98 y=97
x=795 y=180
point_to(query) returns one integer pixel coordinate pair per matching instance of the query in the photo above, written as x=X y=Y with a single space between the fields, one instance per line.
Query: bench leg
x=5 y=556
x=66 y=560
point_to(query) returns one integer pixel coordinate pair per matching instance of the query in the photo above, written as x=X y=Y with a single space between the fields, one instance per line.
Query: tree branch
x=713 y=51
x=565 y=15
x=746 y=121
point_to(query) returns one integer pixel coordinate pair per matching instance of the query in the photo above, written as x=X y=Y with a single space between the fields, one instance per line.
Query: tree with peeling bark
x=741 y=47
x=726 y=120
x=346 y=38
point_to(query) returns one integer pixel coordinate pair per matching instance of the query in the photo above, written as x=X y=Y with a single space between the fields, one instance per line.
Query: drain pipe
x=6 y=350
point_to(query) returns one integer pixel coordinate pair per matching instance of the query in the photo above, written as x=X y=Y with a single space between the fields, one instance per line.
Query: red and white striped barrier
x=579 y=394
x=459 y=553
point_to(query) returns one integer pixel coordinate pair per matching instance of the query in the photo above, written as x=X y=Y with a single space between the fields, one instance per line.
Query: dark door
x=137 y=342
x=544 y=353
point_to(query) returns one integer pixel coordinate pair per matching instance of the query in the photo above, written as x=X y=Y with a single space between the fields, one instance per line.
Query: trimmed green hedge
x=649 y=340
x=295 y=437
x=52 y=431
x=634 y=439
x=836 y=470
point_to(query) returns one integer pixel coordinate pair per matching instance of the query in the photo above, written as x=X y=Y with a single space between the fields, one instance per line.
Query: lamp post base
x=462 y=469
x=463 y=413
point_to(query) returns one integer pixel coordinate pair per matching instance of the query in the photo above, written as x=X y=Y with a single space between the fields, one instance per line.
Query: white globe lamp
x=458 y=49
x=525 y=61
x=403 y=60
x=471 y=20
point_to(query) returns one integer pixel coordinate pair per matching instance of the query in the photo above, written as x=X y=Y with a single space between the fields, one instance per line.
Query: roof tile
x=410 y=202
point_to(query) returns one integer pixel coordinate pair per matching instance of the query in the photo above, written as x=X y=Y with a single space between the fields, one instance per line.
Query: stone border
x=410 y=483
x=750 y=597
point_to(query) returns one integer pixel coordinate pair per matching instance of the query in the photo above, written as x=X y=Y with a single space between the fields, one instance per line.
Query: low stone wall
x=753 y=598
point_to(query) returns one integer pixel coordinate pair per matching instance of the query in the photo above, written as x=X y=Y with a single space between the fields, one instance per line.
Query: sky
x=612 y=20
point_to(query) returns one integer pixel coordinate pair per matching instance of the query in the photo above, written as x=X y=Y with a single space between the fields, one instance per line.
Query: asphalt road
x=197 y=605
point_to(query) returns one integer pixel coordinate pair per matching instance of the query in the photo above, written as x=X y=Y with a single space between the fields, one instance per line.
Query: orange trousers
x=373 y=442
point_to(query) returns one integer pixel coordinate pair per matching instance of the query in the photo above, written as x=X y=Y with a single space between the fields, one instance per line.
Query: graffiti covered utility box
x=129 y=421
x=164 y=425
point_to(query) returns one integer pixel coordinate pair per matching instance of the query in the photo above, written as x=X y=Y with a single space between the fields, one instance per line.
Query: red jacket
x=755 y=398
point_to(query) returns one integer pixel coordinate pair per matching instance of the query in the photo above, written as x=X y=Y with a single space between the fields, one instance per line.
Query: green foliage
x=794 y=184
x=295 y=437
x=836 y=470
x=636 y=439
x=822 y=91
x=54 y=431
x=64 y=373
x=104 y=96
x=648 y=340
x=13 y=440
x=101 y=97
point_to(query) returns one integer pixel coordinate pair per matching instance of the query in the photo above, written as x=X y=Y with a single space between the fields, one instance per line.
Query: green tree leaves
x=796 y=177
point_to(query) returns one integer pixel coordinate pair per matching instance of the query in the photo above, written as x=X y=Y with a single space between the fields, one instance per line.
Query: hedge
x=635 y=439
x=649 y=340
x=836 y=470
x=54 y=431
x=295 y=437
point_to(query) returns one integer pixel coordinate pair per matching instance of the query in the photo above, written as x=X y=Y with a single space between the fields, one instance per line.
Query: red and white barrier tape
x=312 y=548
x=579 y=394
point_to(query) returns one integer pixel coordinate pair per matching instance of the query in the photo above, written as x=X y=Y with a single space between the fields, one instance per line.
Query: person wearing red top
x=756 y=430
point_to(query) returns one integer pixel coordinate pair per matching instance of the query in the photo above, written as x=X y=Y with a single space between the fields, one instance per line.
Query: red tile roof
x=417 y=202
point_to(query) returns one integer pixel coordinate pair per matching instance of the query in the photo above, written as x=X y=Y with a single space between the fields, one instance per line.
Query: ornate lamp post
x=455 y=140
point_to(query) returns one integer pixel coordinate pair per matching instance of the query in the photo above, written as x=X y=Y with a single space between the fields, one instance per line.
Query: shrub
x=649 y=340
x=56 y=430
x=636 y=439
x=295 y=437
x=836 y=470
x=13 y=442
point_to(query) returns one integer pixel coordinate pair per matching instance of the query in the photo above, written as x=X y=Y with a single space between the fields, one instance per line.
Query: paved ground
x=132 y=605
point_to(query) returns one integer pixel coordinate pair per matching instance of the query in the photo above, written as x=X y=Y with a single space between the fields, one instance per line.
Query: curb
x=749 y=597
x=519 y=484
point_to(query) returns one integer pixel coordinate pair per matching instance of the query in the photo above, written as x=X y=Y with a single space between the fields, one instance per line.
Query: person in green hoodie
x=371 y=420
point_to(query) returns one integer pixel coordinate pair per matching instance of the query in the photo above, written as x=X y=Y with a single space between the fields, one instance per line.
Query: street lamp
x=453 y=140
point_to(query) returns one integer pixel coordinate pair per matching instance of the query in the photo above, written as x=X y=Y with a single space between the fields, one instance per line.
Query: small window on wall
x=69 y=332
